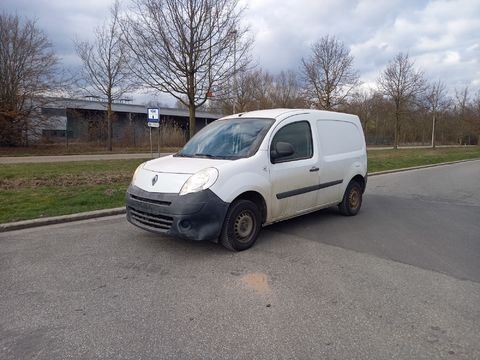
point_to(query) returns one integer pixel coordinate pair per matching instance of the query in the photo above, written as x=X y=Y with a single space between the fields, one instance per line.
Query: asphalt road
x=399 y=281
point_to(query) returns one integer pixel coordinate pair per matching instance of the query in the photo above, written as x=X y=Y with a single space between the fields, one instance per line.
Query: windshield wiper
x=210 y=156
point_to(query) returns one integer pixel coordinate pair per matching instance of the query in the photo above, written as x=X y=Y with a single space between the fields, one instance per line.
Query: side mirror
x=282 y=149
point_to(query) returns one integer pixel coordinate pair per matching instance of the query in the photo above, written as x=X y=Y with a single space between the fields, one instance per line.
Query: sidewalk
x=66 y=158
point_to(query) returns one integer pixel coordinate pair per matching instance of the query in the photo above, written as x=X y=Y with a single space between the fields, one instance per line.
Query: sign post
x=154 y=121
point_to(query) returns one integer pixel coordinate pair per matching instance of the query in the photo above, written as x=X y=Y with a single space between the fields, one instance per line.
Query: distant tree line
x=198 y=51
x=405 y=108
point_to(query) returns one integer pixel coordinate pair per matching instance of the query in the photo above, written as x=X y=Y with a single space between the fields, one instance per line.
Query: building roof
x=121 y=107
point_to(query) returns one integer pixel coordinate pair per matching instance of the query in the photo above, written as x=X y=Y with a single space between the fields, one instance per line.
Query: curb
x=18 y=225
x=118 y=211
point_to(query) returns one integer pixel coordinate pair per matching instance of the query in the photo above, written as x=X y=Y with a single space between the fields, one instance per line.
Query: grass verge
x=381 y=160
x=25 y=203
x=29 y=191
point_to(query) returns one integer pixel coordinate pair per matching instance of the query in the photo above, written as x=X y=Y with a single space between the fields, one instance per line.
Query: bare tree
x=252 y=91
x=461 y=105
x=436 y=102
x=402 y=83
x=286 y=91
x=250 y=84
x=476 y=116
x=362 y=104
x=258 y=89
x=27 y=71
x=187 y=47
x=105 y=70
x=467 y=119
x=329 y=74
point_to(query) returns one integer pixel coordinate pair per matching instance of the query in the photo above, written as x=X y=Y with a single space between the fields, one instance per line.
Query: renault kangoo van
x=250 y=170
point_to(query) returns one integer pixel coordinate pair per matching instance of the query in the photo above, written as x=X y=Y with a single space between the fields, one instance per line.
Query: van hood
x=168 y=174
x=181 y=165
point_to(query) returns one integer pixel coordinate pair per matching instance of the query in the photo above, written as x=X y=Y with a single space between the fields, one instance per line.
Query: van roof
x=280 y=114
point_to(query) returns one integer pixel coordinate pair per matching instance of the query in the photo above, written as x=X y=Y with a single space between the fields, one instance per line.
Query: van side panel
x=343 y=152
x=339 y=137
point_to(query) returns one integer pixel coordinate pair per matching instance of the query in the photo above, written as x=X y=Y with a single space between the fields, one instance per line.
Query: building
x=74 y=120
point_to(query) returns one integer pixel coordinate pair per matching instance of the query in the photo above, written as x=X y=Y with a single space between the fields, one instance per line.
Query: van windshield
x=228 y=139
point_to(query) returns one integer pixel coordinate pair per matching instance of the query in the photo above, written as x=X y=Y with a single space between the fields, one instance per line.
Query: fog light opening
x=185 y=224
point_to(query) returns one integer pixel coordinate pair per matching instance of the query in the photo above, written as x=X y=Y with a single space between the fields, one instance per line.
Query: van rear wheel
x=352 y=199
x=241 y=226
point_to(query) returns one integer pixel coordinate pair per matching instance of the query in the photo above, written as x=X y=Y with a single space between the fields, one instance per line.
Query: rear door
x=294 y=178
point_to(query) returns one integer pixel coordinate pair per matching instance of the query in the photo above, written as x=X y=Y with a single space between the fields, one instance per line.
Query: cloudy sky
x=441 y=36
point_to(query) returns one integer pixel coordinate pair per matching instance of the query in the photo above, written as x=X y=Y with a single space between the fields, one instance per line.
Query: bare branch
x=186 y=47
x=28 y=70
x=106 y=68
x=329 y=74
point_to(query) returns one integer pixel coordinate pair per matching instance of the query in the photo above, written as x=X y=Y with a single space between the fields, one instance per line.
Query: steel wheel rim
x=354 y=198
x=244 y=226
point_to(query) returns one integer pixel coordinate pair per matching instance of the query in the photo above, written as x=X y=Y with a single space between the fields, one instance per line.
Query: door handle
x=313 y=169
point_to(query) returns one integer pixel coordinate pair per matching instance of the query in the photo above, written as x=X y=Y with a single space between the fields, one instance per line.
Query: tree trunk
x=109 y=124
x=384 y=133
x=396 y=133
x=191 y=121
x=433 y=131
x=191 y=105
x=26 y=133
x=366 y=130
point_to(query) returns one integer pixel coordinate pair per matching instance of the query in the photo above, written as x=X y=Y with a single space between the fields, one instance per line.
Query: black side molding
x=307 y=189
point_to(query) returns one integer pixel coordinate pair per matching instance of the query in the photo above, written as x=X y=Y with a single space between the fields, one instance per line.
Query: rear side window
x=299 y=135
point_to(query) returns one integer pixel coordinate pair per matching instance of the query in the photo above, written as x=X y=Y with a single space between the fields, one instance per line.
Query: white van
x=250 y=170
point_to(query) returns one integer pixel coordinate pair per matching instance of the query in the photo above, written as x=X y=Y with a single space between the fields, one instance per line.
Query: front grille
x=160 y=222
x=151 y=201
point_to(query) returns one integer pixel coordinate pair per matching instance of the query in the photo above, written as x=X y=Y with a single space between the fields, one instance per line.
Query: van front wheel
x=241 y=226
x=352 y=199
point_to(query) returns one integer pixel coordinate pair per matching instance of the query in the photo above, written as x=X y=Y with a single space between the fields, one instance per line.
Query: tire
x=241 y=226
x=352 y=199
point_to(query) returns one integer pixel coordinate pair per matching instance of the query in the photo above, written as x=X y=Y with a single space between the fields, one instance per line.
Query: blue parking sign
x=153 y=117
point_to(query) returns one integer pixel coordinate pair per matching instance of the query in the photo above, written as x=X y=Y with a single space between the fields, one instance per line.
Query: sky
x=442 y=37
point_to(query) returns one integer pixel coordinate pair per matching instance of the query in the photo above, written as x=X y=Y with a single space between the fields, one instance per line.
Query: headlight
x=137 y=170
x=200 y=181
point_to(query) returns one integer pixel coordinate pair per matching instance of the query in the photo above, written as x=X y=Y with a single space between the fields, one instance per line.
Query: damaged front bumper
x=195 y=216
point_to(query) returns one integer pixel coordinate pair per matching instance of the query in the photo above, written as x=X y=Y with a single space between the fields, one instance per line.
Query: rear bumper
x=195 y=216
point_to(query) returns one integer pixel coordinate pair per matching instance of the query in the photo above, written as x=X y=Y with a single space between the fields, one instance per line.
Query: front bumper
x=195 y=216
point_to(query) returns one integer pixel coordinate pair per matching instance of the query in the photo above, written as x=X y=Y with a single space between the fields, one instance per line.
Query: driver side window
x=299 y=135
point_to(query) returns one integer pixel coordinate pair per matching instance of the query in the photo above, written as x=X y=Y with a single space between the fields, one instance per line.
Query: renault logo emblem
x=154 y=180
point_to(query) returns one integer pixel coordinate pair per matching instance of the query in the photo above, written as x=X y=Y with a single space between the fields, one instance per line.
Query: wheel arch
x=257 y=199
x=361 y=180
